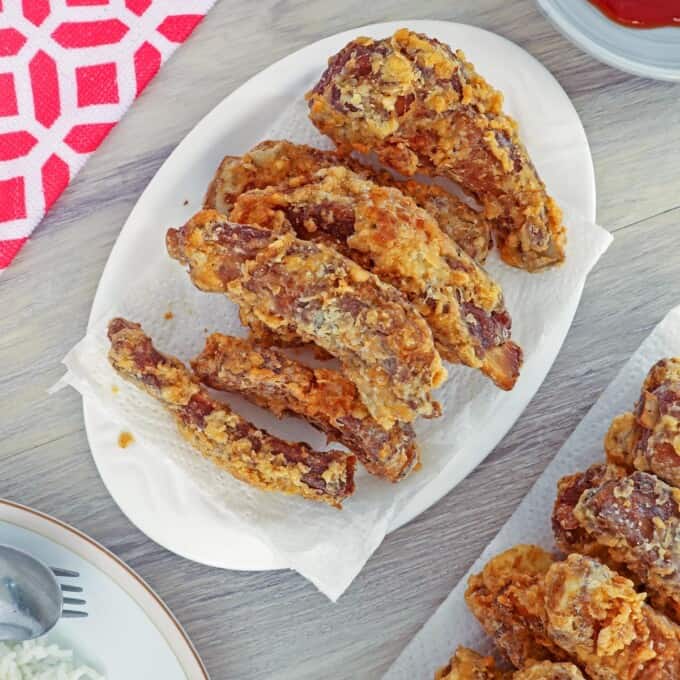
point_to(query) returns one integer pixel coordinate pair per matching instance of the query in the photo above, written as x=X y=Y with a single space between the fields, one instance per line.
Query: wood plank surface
x=276 y=625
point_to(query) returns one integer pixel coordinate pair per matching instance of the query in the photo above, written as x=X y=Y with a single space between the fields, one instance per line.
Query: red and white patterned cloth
x=69 y=69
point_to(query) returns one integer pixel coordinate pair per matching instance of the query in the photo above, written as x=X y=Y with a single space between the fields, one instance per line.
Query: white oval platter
x=179 y=518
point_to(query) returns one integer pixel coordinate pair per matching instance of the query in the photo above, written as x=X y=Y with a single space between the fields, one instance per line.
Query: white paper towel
x=453 y=624
x=326 y=546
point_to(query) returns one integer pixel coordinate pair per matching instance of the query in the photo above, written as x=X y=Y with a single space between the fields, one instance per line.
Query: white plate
x=652 y=53
x=129 y=632
x=182 y=520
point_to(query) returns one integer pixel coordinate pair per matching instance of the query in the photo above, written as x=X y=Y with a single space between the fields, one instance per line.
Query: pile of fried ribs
x=380 y=269
x=610 y=609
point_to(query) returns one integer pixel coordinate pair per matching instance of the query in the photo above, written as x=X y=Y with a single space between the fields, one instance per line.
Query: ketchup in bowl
x=641 y=13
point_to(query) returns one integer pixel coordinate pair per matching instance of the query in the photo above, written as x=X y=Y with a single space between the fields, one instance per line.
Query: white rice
x=41 y=660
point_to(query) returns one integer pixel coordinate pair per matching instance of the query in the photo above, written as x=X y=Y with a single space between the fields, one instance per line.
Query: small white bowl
x=651 y=53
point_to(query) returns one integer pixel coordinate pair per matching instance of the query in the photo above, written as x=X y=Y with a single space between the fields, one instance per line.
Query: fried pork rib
x=314 y=292
x=506 y=597
x=387 y=233
x=466 y=664
x=323 y=397
x=619 y=442
x=570 y=536
x=546 y=670
x=271 y=163
x=468 y=228
x=423 y=109
x=577 y=610
x=631 y=523
x=603 y=623
x=223 y=437
x=649 y=438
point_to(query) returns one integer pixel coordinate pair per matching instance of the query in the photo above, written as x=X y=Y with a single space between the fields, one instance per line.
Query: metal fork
x=68 y=600
x=31 y=598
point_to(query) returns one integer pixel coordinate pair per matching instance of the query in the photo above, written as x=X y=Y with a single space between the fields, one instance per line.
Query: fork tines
x=70 y=601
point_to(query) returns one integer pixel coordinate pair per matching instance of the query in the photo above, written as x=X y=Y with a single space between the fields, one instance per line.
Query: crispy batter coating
x=470 y=229
x=547 y=670
x=570 y=536
x=271 y=163
x=467 y=664
x=313 y=291
x=577 y=610
x=219 y=434
x=261 y=334
x=388 y=234
x=215 y=251
x=507 y=597
x=603 y=623
x=323 y=397
x=649 y=439
x=422 y=108
x=636 y=520
x=619 y=441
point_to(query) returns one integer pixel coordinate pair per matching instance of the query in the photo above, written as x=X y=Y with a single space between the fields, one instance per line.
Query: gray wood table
x=276 y=625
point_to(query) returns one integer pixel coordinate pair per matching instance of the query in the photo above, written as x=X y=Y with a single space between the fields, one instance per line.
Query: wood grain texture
x=275 y=625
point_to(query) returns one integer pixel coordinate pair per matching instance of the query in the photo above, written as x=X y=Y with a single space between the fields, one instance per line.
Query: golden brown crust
x=507 y=596
x=577 y=610
x=470 y=229
x=215 y=250
x=570 y=536
x=388 y=234
x=648 y=439
x=385 y=347
x=547 y=670
x=325 y=398
x=654 y=442
x=423 y=109
x=271 y=163
x=636 y=521
x=264 y=336
x=629 y=523
x=467 y=664
x=619 y=441
x=598 y=617
x=219 y=434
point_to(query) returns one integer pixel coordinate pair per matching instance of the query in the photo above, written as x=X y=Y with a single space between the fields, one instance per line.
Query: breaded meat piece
x=388 y=234
x=570 y=536
x=507 y=598
x=467 y=664
x=323 y=397
x=649 y=438
x=636 y=520
x=385 y=347
x=222 y=436
x=600 y=619
x=275 y=162
x=422 y=108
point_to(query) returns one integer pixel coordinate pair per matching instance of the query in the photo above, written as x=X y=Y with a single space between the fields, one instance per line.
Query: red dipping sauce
x=641 y=13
